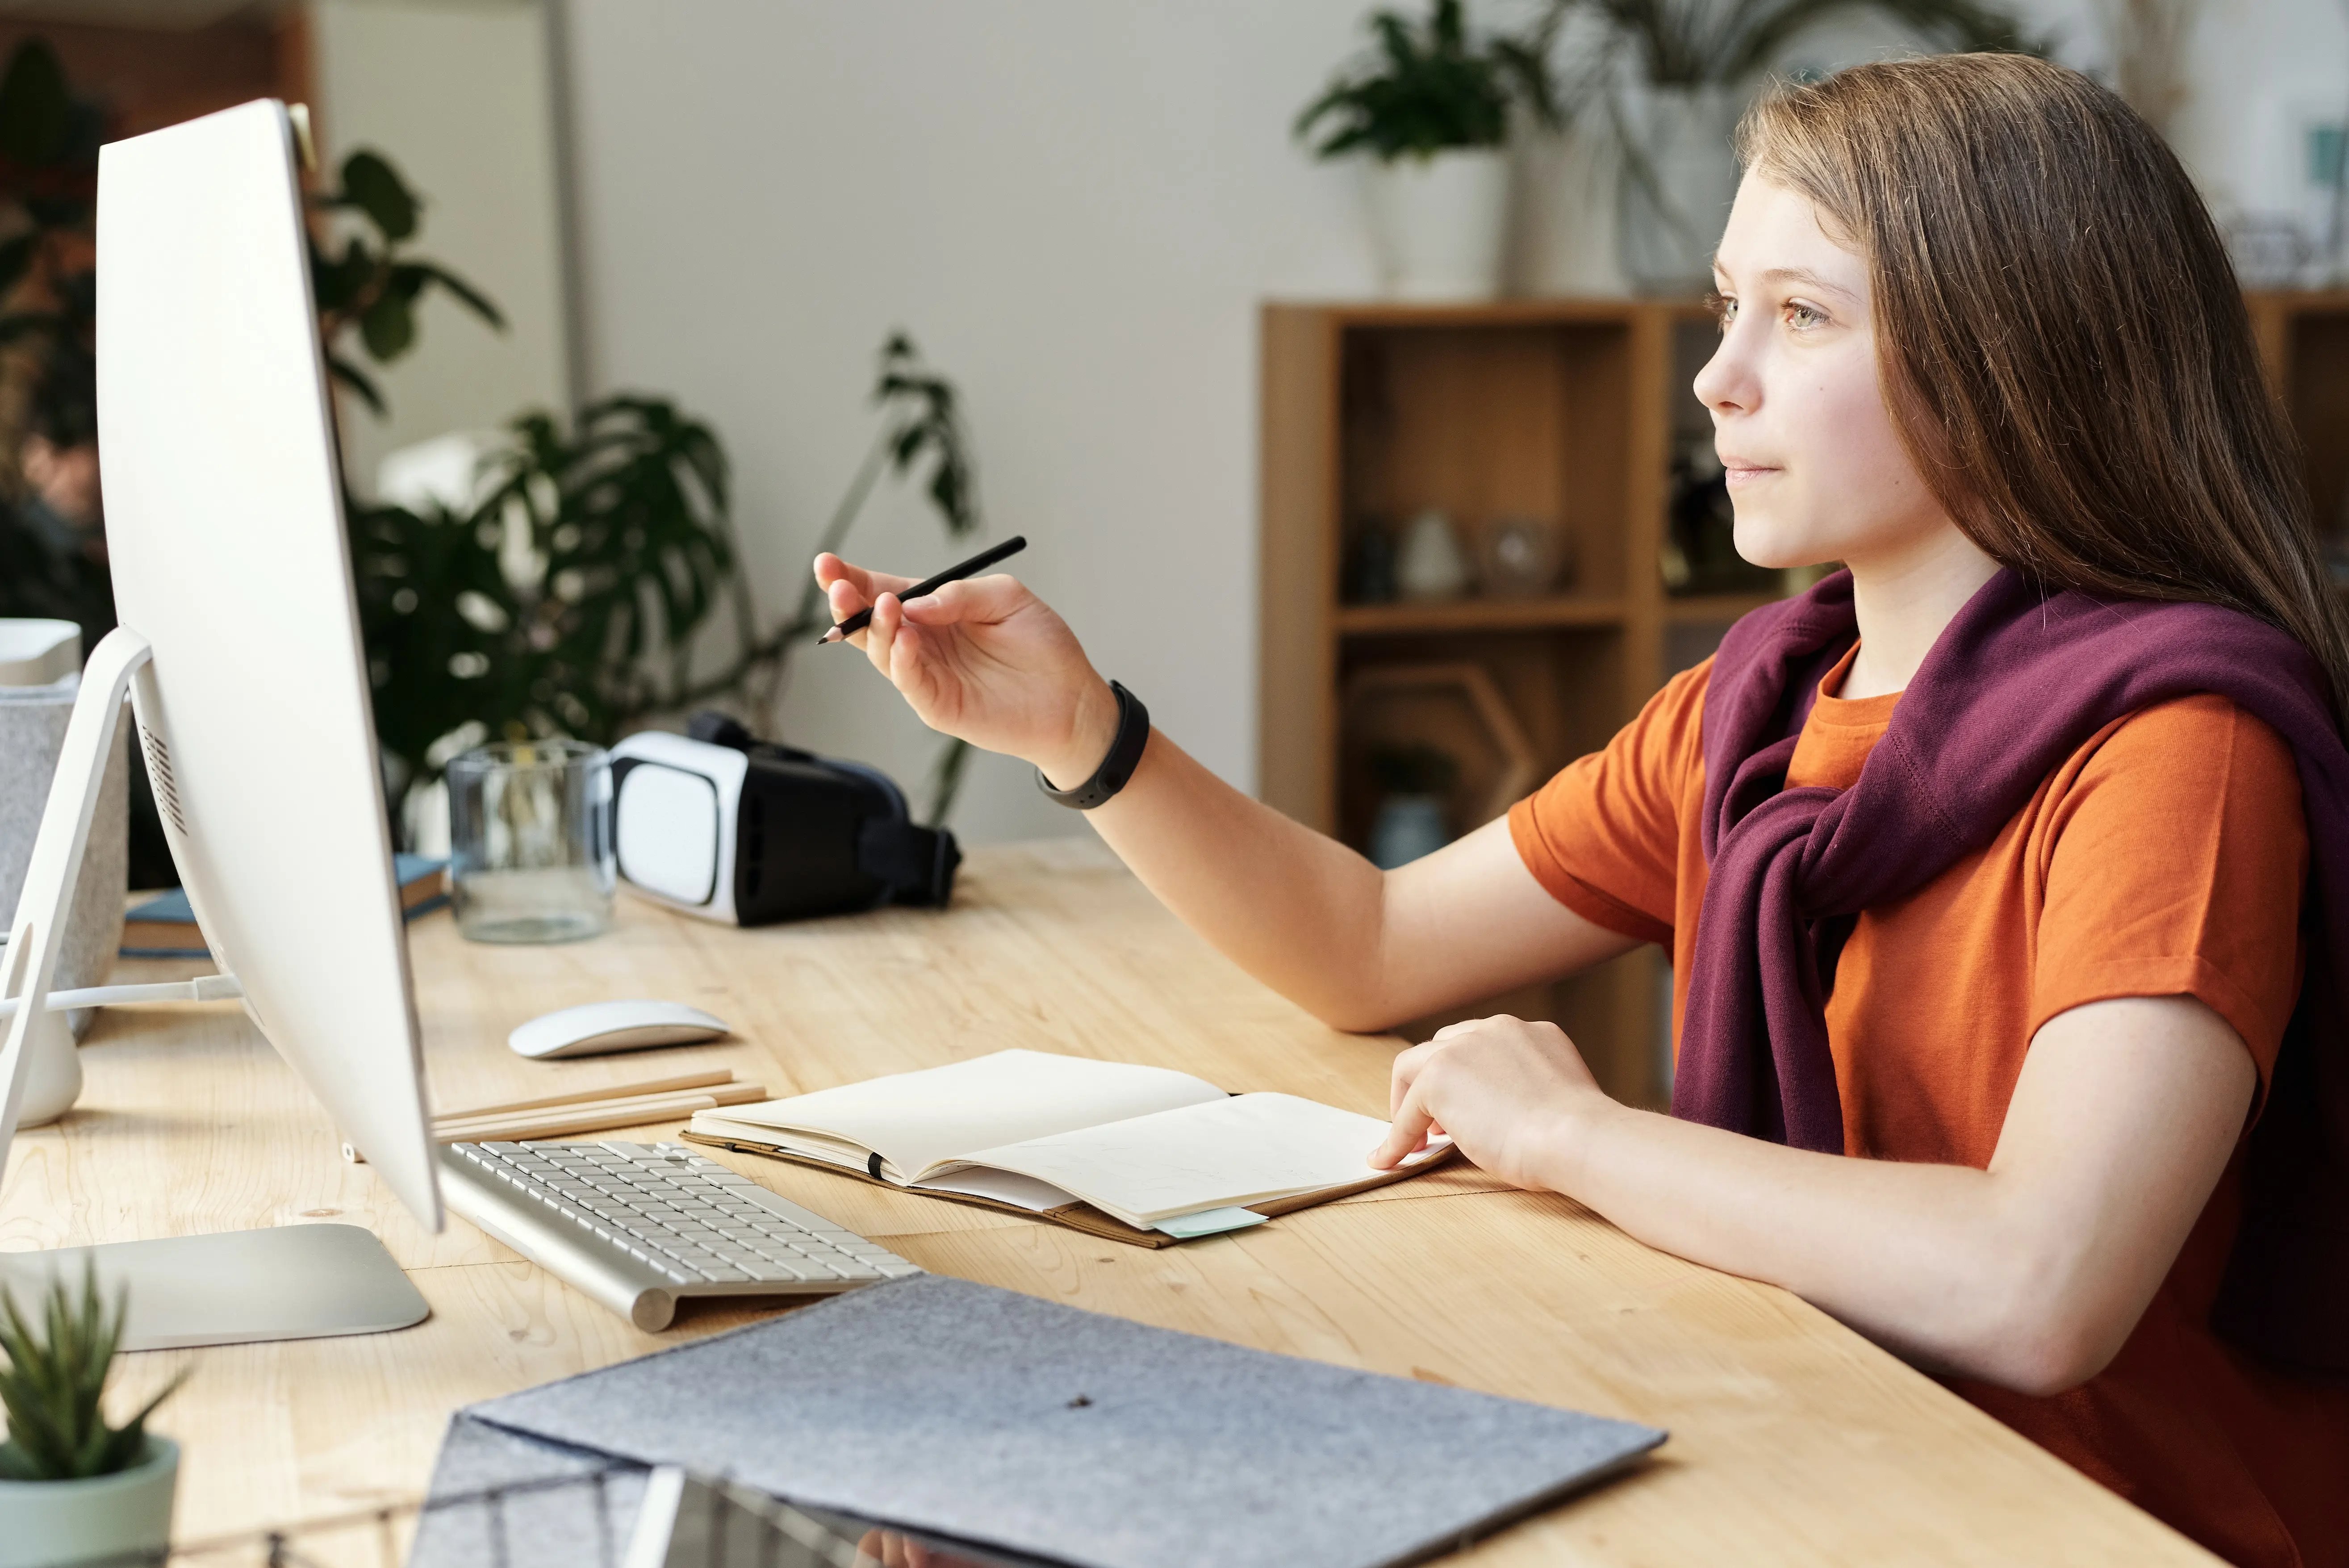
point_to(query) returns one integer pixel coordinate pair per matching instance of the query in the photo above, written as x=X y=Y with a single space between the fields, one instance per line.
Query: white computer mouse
x=595 y=1027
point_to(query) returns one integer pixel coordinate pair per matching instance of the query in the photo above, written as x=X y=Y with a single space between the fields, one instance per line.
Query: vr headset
x=721 y=825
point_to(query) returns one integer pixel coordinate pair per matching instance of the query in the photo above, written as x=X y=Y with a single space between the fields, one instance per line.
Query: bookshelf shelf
x=1477 y=615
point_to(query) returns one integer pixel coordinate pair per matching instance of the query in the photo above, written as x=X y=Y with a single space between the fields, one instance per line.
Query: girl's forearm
x=1297 y=911
x=1360 y=948
x=2030 y=1273
x=1923 y=1259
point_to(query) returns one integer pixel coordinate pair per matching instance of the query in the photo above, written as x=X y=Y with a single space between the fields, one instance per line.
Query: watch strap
x=1124 y=755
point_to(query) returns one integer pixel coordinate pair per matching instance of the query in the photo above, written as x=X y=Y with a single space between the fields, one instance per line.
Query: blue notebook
x=164 y=927
x=1000 y=1427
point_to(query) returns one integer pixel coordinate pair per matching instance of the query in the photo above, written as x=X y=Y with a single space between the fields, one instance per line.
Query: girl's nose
x=1727 y=385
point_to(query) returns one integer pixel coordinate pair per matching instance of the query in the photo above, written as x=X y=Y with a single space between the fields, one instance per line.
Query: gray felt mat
x=566 y=1507
x=992 y=1417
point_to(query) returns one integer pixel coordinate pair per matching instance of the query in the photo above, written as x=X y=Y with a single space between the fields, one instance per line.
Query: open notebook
x=1159 y=1155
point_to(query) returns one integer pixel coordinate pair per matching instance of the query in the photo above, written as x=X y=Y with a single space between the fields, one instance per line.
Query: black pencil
x=954 y=574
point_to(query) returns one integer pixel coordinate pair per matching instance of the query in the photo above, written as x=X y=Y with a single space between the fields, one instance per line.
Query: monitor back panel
x=224 y=523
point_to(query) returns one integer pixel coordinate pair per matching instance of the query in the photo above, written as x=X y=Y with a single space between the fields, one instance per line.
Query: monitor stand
x=293 y=1282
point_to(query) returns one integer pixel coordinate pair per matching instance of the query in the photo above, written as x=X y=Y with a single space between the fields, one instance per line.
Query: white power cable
x=204 y=988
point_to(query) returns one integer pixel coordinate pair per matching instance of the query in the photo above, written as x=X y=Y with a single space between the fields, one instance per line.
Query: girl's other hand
x=1514 y=1096
x=985 y=661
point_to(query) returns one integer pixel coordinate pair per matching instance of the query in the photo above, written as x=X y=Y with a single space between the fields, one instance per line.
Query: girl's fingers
x=1407 y=1065
x=974 y=600
x=832 y=571
x=895 y=648
x=843 y=600
x=1412 y=1122
x=880 y=635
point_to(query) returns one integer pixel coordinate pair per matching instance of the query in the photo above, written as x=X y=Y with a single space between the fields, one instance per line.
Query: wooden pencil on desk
x=595 y=1115
x=591 y=1110
x=712 y=1078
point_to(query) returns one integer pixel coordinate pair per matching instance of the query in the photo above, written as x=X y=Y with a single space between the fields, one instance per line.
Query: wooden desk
x=1793 y=1440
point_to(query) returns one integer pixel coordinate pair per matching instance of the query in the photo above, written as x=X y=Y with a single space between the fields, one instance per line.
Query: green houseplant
x=1432 y=104
x=52 y=533
x=371 y=287
x=52 y=550
x=622 y=527
x=74 y=1485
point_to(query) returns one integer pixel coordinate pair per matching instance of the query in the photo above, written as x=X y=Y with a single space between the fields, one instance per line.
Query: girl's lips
x=1741 y=473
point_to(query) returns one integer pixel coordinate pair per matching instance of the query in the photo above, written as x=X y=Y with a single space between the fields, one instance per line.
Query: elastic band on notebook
x=873 y=1166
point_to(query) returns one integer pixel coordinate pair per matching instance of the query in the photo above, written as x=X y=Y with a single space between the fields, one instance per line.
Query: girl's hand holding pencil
x=982 y=660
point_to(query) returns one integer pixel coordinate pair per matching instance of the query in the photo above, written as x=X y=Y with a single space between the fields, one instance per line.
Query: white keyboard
x=638 y=1225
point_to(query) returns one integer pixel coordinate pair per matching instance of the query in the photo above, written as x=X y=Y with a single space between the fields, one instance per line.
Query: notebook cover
x=1080 y=1216
x=165 y=926
x=987 y=1416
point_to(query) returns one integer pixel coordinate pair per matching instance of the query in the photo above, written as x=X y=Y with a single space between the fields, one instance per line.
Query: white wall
x=2264 y=69
x=1076 y=205
x=1075 y=208
x=456 y=93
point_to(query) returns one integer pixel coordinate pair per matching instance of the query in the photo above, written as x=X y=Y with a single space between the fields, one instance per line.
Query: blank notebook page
x=1239 y=1150
x=915 y=1120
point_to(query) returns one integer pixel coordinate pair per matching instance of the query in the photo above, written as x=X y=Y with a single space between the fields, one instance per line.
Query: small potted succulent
x=72 y=1486
x=1431 y=106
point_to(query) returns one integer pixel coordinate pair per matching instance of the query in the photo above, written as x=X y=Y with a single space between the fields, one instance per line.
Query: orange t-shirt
x=2166 y=857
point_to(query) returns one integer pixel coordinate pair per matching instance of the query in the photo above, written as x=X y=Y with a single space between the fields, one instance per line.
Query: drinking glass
x=530 y=840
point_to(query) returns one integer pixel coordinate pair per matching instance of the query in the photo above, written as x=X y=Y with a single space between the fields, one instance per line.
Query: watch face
x=667 y=832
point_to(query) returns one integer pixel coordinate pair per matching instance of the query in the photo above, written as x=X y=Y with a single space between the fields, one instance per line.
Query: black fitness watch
x=1124 y=756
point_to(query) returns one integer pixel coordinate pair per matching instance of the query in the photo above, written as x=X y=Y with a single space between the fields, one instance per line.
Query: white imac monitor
x=238 y=644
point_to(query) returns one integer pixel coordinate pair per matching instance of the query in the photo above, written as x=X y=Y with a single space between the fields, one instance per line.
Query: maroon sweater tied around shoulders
x=2018 y=683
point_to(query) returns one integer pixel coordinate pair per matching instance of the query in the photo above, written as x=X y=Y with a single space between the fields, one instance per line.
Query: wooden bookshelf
x=2304 y=338
x=1567 y=411
x=1477 y=615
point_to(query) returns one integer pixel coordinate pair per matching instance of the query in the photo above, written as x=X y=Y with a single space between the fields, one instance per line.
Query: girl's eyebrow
x=1805 y=275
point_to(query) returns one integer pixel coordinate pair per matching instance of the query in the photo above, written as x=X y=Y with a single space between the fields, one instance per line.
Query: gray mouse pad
x=993 y=1418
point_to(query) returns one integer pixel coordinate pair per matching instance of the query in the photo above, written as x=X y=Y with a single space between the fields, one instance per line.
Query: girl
x=1982 y=866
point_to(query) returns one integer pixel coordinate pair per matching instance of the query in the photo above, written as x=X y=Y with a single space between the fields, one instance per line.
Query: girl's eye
x=1799 y=314
x=1723 y=308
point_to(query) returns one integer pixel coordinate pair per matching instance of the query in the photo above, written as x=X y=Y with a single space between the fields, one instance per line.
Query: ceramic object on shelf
x=1521 y=558
x=1439 y=222
x=122 y=1517
x=1431 y=565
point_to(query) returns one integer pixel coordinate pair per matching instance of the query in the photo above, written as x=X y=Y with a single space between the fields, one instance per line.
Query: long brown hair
x=2060 y=335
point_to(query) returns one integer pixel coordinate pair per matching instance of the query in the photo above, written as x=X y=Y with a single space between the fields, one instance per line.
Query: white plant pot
x=125 y=1517
x=1439 y=222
